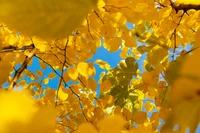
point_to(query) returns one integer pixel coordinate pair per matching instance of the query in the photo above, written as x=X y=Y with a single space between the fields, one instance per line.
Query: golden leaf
x=92 y=84
x=73 y=73
x=196 y=2
x=103 y=64
x=39 y=72
x=15 y=106
x=111 y=124
x=52 y=75
x=46 y=19
x=46 y=81
x=5 y=68
x=115 y=44
x=155 y=120
x=140 y=117
x=84 y=69
x=105 y=86
x=62 y=94
x=86 y=128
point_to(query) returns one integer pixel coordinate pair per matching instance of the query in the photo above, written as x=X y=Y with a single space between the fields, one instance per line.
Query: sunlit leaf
x=63 y=15
x=73 y=73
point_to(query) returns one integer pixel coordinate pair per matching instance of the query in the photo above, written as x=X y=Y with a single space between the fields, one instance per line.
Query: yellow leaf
x=15 y=106
x=52 y=75
x=155 y=120
x=105 y=86
x=111 y=124
x=197 y=38
x=117 y=110
x=46 y=19
x=84 y=69
x=147 y=106
x=141 y=129
x=39 y=72
x=140 y=117
x=62 y=94
x=108 y=99
x=5 y=68
x=190 y=66
x=147 y=77
x=157 y=55
x=43 y=120
x=92 y=84
x=103 y=64
x=129 y=41
x=12 y=39
x=115 y=44
x=73 y=73
x=98 y=113
x=43 y=65
x=124 y=52
x=184 y=89
x=100 y=4
x=46 y=81
x=196 y=2
x=127 y=114
x=86 y=128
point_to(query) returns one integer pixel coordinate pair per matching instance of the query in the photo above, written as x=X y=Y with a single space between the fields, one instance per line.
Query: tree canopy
x=163 y=96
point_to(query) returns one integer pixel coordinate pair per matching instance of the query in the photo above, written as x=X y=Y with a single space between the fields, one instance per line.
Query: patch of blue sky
x=130 y=25
x=178 y=51
x=53 y=83
x=111 y=58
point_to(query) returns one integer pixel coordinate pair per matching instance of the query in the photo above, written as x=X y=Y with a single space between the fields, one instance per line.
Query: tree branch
x=21 y=69
x=185 y=7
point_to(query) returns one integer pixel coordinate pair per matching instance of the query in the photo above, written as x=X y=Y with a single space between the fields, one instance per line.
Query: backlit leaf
x=73 y=73
x=140 y=117
x=63 y=15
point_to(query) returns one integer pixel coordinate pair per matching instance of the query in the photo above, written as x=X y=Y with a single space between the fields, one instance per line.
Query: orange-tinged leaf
x=184 y=89
x=105 y=86
x=73 y=73
x=5 y=68
x=86 y=128
x=190 y=66
x=92 y=84
x=147 y=77
x=139 y=117
x=39 y=72
x=130 y=41
x=108 y=99
x=115 y=44
x=52 y=75
x=117 y=110
x=155 y=120
x=141 y=129
x=111 y=124
x=127 y=114
x=197 y=38
x=98 y=113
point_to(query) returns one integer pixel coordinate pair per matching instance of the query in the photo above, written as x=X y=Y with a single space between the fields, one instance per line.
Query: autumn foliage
x=159 y=94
